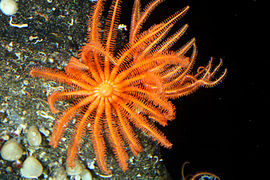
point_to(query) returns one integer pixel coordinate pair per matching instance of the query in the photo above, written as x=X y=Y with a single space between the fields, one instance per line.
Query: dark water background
x=215 y=127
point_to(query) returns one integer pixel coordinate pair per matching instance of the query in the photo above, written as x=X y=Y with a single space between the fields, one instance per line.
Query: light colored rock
x=60 y=174
x=31 y=168
x=86 y=175
x=8 y=7
x=11 y=150
x=33 y=136
x=76 y=170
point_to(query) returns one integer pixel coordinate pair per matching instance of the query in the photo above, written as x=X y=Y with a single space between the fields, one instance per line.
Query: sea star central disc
x=105 y=90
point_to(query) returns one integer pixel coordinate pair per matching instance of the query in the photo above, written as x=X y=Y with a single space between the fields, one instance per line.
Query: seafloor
x=51 y=33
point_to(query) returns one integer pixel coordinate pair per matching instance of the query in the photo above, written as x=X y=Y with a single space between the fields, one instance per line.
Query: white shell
x=11 y=150
x=31 y=168
x=60 y=174
x=33 y=136
x=8 y=7
x=78 y=168
x=86 y=175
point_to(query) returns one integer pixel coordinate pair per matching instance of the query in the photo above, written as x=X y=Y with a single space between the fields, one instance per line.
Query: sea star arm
x=147 y=108
x=148 y=64
x=98 y=140
x=111 y=33
x=142 y=18
x=185 y=48
x=175 y=73
x=94 y=23
x=191 y=83
x=59 y=76
x=67 y=94
x=127 y=53
x=171 y=40
x=112 y=25
x=164 y=105
x=136 y=14
x=126 y=130
x=61 y=123
x=94 y=32
x=115 y=138
x=79 y=133
x=74 y=63
x=168 y=24
x=97 y=48
x=187 y=67
x=151 y=47
x=76 y=70
x=140 y=122
x=87 y=57
x=143 y=40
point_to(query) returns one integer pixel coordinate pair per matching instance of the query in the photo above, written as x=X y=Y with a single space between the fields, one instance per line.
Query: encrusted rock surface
x=47 y=34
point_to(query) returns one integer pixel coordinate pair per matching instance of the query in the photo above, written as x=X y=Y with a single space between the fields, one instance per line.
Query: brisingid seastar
x=117 y=91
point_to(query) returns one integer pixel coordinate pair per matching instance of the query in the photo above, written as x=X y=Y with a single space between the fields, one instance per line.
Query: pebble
x=86 y=175
x=78 y=168
x=60 y=174
x=11 y=150
x=33 y=136
x=9 y=7
x=31 y=168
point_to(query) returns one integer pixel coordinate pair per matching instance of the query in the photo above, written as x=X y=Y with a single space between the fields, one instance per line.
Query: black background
x=215 y=127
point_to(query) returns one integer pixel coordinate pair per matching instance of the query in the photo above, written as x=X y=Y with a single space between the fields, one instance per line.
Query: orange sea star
x=117 y=91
